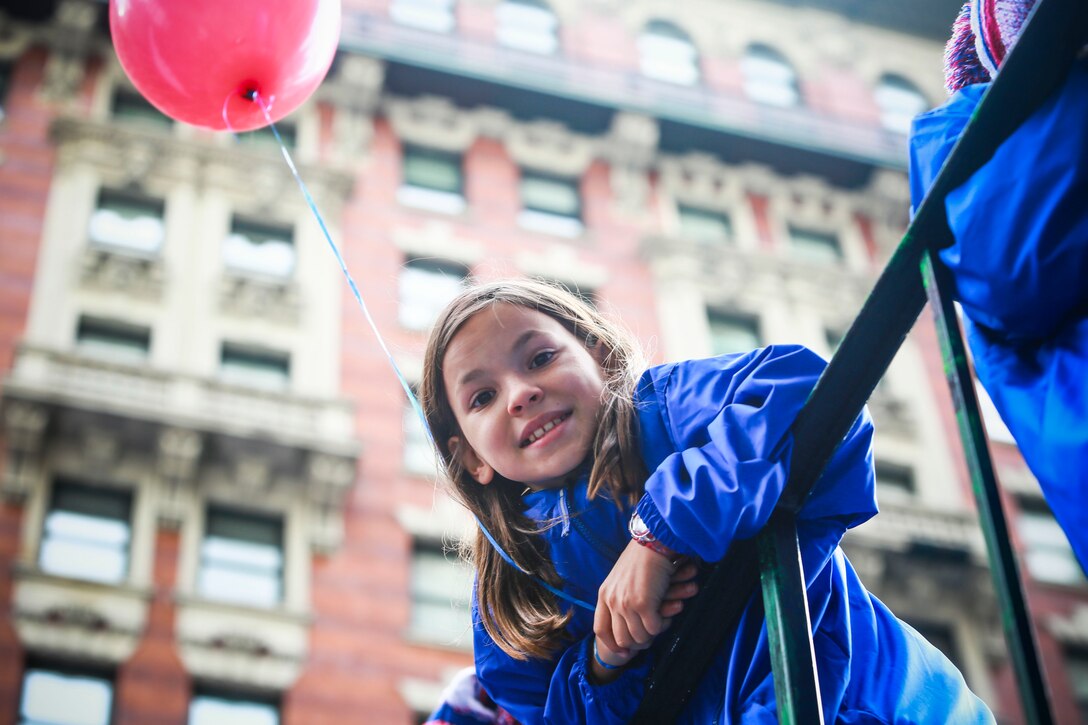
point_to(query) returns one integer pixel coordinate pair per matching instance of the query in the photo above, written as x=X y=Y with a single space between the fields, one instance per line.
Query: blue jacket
x=1020 y=264
x=714 y=434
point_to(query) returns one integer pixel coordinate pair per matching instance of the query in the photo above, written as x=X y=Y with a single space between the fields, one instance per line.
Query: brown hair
x=521 y=616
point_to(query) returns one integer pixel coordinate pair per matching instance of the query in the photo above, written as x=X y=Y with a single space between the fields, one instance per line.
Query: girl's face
x=526 y=394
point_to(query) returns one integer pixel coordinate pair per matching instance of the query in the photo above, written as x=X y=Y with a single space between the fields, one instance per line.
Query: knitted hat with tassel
x=983 y=34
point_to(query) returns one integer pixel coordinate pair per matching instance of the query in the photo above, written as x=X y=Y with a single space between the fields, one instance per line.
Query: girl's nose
x=522 y=396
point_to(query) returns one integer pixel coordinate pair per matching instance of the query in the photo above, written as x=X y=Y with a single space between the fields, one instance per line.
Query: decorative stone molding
x=115 y=271
x=276 y=301
x=178 y=461
x=79 y=619
x=562 y=264
x=125 y=156
x=24 y=429
x=1072 y=629
x=355 y=84
x=445 y=521
x=701 y=180
x=630 y=148
x=328 y=480
x=436 y=238
x=246 y=647
x=71 y=38
x=550 y=147
x=431 y=121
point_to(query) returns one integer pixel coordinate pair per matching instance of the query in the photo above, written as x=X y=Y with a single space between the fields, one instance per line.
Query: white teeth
x=536 y=434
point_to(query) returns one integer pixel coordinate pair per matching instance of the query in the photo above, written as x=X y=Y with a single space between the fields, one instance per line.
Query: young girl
x=591 y=484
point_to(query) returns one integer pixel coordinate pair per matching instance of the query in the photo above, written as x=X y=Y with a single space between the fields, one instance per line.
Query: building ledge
x=75 y=618
x=140 y=392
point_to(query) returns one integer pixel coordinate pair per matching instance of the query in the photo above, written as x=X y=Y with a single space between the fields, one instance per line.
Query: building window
x=215 y=709
x=811 y=246
x=254 y=368
x=419 y=455
x=241 y=558
x=769 y=78
x=732 y=333
x=894 y=479
x=432 y=180
x=1047 y=553
x=127 y=223
x=433 y=15
x=6 y=70
x=704 y=226
x=1076 y=669
x=441 y=587
x=112 y=340
x=666 y=53
x=550 y=204
x=86 y=533
x=899 y=102
x=425 y=287
x=58 y=696
x=528 y=25
x=262 y=249
x=130 y=107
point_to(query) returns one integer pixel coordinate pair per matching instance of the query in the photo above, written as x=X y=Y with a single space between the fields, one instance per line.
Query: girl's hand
x=639 y=598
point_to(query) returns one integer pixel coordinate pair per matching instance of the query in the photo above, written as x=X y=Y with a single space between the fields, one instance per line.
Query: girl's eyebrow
x=523 y=339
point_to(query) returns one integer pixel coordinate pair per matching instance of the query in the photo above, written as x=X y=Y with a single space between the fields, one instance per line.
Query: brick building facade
x=216 y=503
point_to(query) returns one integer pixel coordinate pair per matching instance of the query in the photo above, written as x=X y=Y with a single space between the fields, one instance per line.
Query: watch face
x=638 y=527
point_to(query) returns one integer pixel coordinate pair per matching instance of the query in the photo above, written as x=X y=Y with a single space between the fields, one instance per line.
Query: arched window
x=769 y=78
x=899 y=101
x=666 y=53
x=528 y=25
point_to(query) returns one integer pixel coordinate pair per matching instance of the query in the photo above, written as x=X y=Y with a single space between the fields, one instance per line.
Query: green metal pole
x=1016 y=619
x=789 y=626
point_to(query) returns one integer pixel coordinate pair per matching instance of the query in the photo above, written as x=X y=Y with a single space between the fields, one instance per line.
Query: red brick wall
x=26 y=172
x=152 y=687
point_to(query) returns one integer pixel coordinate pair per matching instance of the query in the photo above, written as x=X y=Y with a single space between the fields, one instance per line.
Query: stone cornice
x=136 y=157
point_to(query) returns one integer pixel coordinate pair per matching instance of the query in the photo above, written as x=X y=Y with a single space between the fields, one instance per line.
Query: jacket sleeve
x=556 y=691
x=716 y=437
x=1020 y=226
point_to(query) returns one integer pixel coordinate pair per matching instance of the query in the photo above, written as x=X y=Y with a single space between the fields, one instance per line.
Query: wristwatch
x=641 y=534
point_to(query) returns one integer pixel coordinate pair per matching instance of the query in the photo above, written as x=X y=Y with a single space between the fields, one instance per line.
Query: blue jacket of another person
x=714 y=434
x=1020 y=265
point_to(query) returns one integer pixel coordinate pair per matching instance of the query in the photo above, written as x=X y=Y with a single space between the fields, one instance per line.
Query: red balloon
x=199 y=61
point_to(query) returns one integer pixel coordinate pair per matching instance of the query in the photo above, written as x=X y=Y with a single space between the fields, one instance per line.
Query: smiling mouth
x=542 y=430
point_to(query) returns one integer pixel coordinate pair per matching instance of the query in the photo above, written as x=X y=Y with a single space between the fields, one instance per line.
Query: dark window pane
x=241 y=558
x=732 y=333
x=255 y=368
x=113 y=340
x=86 y=533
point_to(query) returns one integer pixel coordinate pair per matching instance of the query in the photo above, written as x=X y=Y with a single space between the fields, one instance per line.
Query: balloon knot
x=250 y=94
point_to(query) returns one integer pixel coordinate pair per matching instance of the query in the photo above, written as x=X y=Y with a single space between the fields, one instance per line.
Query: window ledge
x=79 y=618
x=239 y=645
x=463 y=642
x=553 y=224
x=443 y=202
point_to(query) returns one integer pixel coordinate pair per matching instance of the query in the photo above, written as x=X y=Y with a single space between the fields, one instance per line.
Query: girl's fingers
x=670 y=608
x=687 y=571
x=602 y=626
x=682 y=590
x=629 y=632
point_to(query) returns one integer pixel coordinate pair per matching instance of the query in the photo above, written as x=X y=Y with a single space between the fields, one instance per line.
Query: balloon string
x=256 y=96
x=412 y=399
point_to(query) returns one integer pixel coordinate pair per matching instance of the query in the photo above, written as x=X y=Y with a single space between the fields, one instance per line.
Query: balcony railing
x=141 y=392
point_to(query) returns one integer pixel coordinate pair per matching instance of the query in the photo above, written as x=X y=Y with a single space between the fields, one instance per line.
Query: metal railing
x=1055 y=32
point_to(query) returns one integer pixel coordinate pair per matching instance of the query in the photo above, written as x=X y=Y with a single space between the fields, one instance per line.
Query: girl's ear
x=476 y=466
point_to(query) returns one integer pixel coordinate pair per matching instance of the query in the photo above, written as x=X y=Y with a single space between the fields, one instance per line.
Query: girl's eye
x=541 y=358
x=481 y=399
